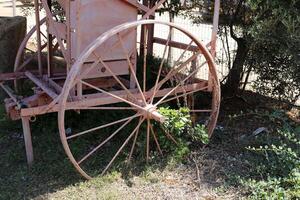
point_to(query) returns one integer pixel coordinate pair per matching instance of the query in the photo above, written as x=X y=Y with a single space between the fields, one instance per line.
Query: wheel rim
x=143 y=101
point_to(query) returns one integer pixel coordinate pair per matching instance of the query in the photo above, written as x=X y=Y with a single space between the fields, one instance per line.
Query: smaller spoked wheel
x=101 y=126
x=27 y=56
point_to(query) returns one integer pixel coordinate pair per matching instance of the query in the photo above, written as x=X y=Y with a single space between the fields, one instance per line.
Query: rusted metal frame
x=145 y=16
x=150 y=12
x=148 y=94
x=153 y=9
x=102 y=99
x=56 y=33
x=41 y=84
x=12 y=108
x=150 y=27
x=49 y=46
x=55 y=47
x=177 y=45
x=29 y=50
x=69 y=30
x=9 y=93
x=38 y=35
x=146 y=47
x=60 y=27
x=27 y=140
x=21 y=75
x=122 y=99
x=53 y=84
x=137 y=5
x=25 y=41
x=12 y=76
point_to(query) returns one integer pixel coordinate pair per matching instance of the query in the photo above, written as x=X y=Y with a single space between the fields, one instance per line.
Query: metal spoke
x=183 y=53
x=101 y=108
x=124 y=144
x=103 y=126
x=83 y=74
x=200 y=111
x=145 y=58
x=184 y=95
x=155 y=139
x=113 y=74
x=134 y=142
x=115 y=96
x=148 y=140
x=132 y=69
x=194 y=72
x=174 y=71
x=191 y=92
x=176 y=63
x=105 y=141
x=161 y=65
x=170 y=137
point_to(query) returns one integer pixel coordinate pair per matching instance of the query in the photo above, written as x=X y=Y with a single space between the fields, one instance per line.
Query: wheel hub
x=150 y=112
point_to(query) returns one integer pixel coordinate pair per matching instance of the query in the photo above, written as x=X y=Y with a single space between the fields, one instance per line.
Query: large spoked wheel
x=130 y=111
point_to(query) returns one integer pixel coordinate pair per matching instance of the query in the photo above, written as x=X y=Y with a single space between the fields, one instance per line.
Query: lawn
x=220 y=170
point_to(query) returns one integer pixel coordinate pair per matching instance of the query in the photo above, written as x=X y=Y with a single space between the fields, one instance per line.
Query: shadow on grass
x=52 y=170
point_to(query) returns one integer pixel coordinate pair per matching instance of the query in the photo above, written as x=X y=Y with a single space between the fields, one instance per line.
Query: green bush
x=179 y=124
x=275 y=167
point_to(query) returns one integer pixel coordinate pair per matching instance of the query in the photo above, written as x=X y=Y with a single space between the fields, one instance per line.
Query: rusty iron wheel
x=191 y=72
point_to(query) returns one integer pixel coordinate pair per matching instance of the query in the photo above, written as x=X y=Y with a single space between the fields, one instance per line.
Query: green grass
x=52 y=171
x=272 y=157
x=225 y=164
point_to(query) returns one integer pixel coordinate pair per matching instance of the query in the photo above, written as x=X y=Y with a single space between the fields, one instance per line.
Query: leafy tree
x=235 y=17
x=275 y=48
x=267 y=35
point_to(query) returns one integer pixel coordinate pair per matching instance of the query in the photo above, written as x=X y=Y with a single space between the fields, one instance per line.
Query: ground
x=207 y=173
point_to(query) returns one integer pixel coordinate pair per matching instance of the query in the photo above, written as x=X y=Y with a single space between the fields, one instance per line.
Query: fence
x=203 y=33
x=8 y=8
x=225 y=55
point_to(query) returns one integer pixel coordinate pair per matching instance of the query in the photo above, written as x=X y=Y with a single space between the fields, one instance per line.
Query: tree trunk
x=232 y=84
